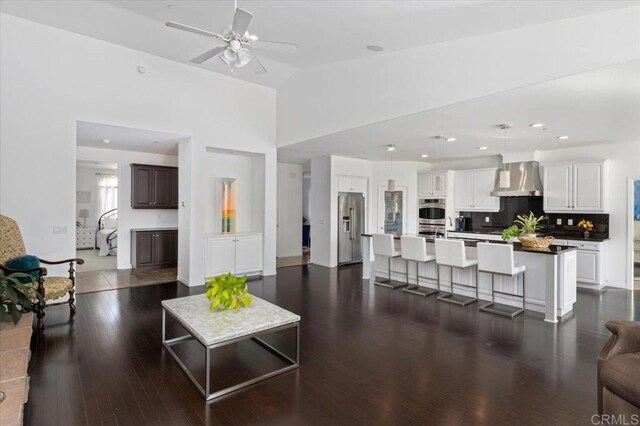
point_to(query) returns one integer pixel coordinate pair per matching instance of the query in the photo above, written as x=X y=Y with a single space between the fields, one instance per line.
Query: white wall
x=289 y=210
x=52 y=78
x=380 y=87
x=88 y=180
x=320 y=205
x=128 y=217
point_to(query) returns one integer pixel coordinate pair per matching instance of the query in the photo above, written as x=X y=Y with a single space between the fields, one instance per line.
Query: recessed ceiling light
x=424 y=155
x=563 y=137
x=536 y=125
x=105 y=141
x=374 y=48
x=156 y=141
x=482 y=148
x=451 y=139
x=170 y=6
x=391 y=147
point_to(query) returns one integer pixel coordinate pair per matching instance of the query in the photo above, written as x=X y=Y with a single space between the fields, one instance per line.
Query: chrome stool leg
x=500 y=309
x=416 y=289
x=458 y=299
x=388 y=282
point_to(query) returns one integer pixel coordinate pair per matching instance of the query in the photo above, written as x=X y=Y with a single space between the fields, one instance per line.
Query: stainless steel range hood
x=524 y=180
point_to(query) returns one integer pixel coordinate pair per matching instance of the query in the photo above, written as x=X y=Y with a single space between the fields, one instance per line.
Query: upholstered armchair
x=619 y=370
x=50 y=288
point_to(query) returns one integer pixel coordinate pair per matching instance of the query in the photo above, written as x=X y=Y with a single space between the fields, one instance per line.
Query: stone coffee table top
x=211 y=327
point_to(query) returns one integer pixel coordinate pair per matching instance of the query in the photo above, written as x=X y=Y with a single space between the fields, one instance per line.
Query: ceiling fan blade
x=275 y=45
x=241 y=21
x=256 y=65
x=209 y=54
x=194 y=30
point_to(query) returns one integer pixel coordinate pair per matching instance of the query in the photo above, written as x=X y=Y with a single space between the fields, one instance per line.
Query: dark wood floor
x=368 y=355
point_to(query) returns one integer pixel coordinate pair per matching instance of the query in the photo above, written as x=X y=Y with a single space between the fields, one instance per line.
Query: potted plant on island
x=530 y=224
x=227 y=291
x=511 y=233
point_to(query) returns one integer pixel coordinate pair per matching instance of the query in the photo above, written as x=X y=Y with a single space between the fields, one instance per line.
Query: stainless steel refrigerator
x=350 y=227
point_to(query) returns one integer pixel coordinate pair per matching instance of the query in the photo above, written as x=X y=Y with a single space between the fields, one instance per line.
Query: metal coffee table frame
x=206 y=391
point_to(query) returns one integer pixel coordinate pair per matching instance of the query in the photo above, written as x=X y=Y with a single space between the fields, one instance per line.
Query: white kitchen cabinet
x=578 y=188
x=472 y=190
x=248 y=254
x=352 y=184
x=432 y=185
x=238 y=254
x=590 y=258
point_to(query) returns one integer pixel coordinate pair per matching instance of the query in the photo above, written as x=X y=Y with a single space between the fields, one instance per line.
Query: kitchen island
x=550 y=276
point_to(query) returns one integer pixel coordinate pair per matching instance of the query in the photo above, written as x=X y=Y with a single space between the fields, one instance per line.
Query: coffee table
x=216 y=329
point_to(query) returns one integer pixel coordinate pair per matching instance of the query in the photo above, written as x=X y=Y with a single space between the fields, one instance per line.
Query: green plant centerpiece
x=511 y=233
x=227 y=291
x=15 y=292
x=530 y=224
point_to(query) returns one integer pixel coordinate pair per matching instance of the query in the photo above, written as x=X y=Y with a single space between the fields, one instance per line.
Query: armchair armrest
x=625 y=339
x=59 y=262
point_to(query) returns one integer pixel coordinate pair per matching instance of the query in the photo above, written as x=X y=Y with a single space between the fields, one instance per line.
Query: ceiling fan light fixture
x=243 y=57
x=229 y=55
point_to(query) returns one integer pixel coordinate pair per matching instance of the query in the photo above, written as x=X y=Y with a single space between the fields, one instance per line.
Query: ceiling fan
x=238 y=43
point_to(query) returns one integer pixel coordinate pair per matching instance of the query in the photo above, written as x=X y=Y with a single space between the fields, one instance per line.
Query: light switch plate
x=558 y=221
x=569 y=222
x=486 y=219
x=59 y=229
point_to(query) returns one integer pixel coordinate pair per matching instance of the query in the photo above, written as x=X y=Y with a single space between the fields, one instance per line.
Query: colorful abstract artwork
x=228 y=205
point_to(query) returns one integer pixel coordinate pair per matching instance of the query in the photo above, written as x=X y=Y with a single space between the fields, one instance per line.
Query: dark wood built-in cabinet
x=154 y=187
x=154 y=247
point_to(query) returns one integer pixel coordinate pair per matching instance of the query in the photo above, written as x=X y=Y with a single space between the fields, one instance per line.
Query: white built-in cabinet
x=352 y=184
x=578 y=188
x=432 y=185
x=238 y=254
x=590 y=258
x=472 y=190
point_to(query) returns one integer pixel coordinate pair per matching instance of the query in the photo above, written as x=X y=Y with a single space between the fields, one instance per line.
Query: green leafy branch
x=227 y=291
x=16 y=296
x=530 y=224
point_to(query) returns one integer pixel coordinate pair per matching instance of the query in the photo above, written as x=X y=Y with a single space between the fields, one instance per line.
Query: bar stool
x=384 y=245
x=451 y=253
x=414 y=249
x=497 y=259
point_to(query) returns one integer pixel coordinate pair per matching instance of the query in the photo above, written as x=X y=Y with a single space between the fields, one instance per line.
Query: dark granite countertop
x=597 y=238
x=157 y=228
x=517 y=247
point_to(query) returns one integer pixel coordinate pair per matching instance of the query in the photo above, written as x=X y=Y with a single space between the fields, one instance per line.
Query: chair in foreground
x=51 y=288
x=619 y=370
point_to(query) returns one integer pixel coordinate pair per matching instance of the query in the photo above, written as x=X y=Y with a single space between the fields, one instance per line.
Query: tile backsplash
x=600 y=223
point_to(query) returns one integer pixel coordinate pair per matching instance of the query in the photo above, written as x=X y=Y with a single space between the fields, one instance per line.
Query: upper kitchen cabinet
x=472 y=190
x=578 y=188
x=352 y=184
x=432 y=185
x=154 y=187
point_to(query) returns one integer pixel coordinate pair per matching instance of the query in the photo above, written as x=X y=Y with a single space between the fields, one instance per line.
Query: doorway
x=97 y=215
x=290 y=216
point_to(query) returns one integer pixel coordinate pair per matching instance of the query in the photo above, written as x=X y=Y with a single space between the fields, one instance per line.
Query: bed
x=107 y=235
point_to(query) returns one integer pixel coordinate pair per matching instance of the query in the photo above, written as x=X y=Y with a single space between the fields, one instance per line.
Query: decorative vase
x=586 y=234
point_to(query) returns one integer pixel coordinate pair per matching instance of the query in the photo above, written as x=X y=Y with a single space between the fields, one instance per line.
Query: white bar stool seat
x=384 y=246
x=451 y=253
x=414 y=249
x=498 y=259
